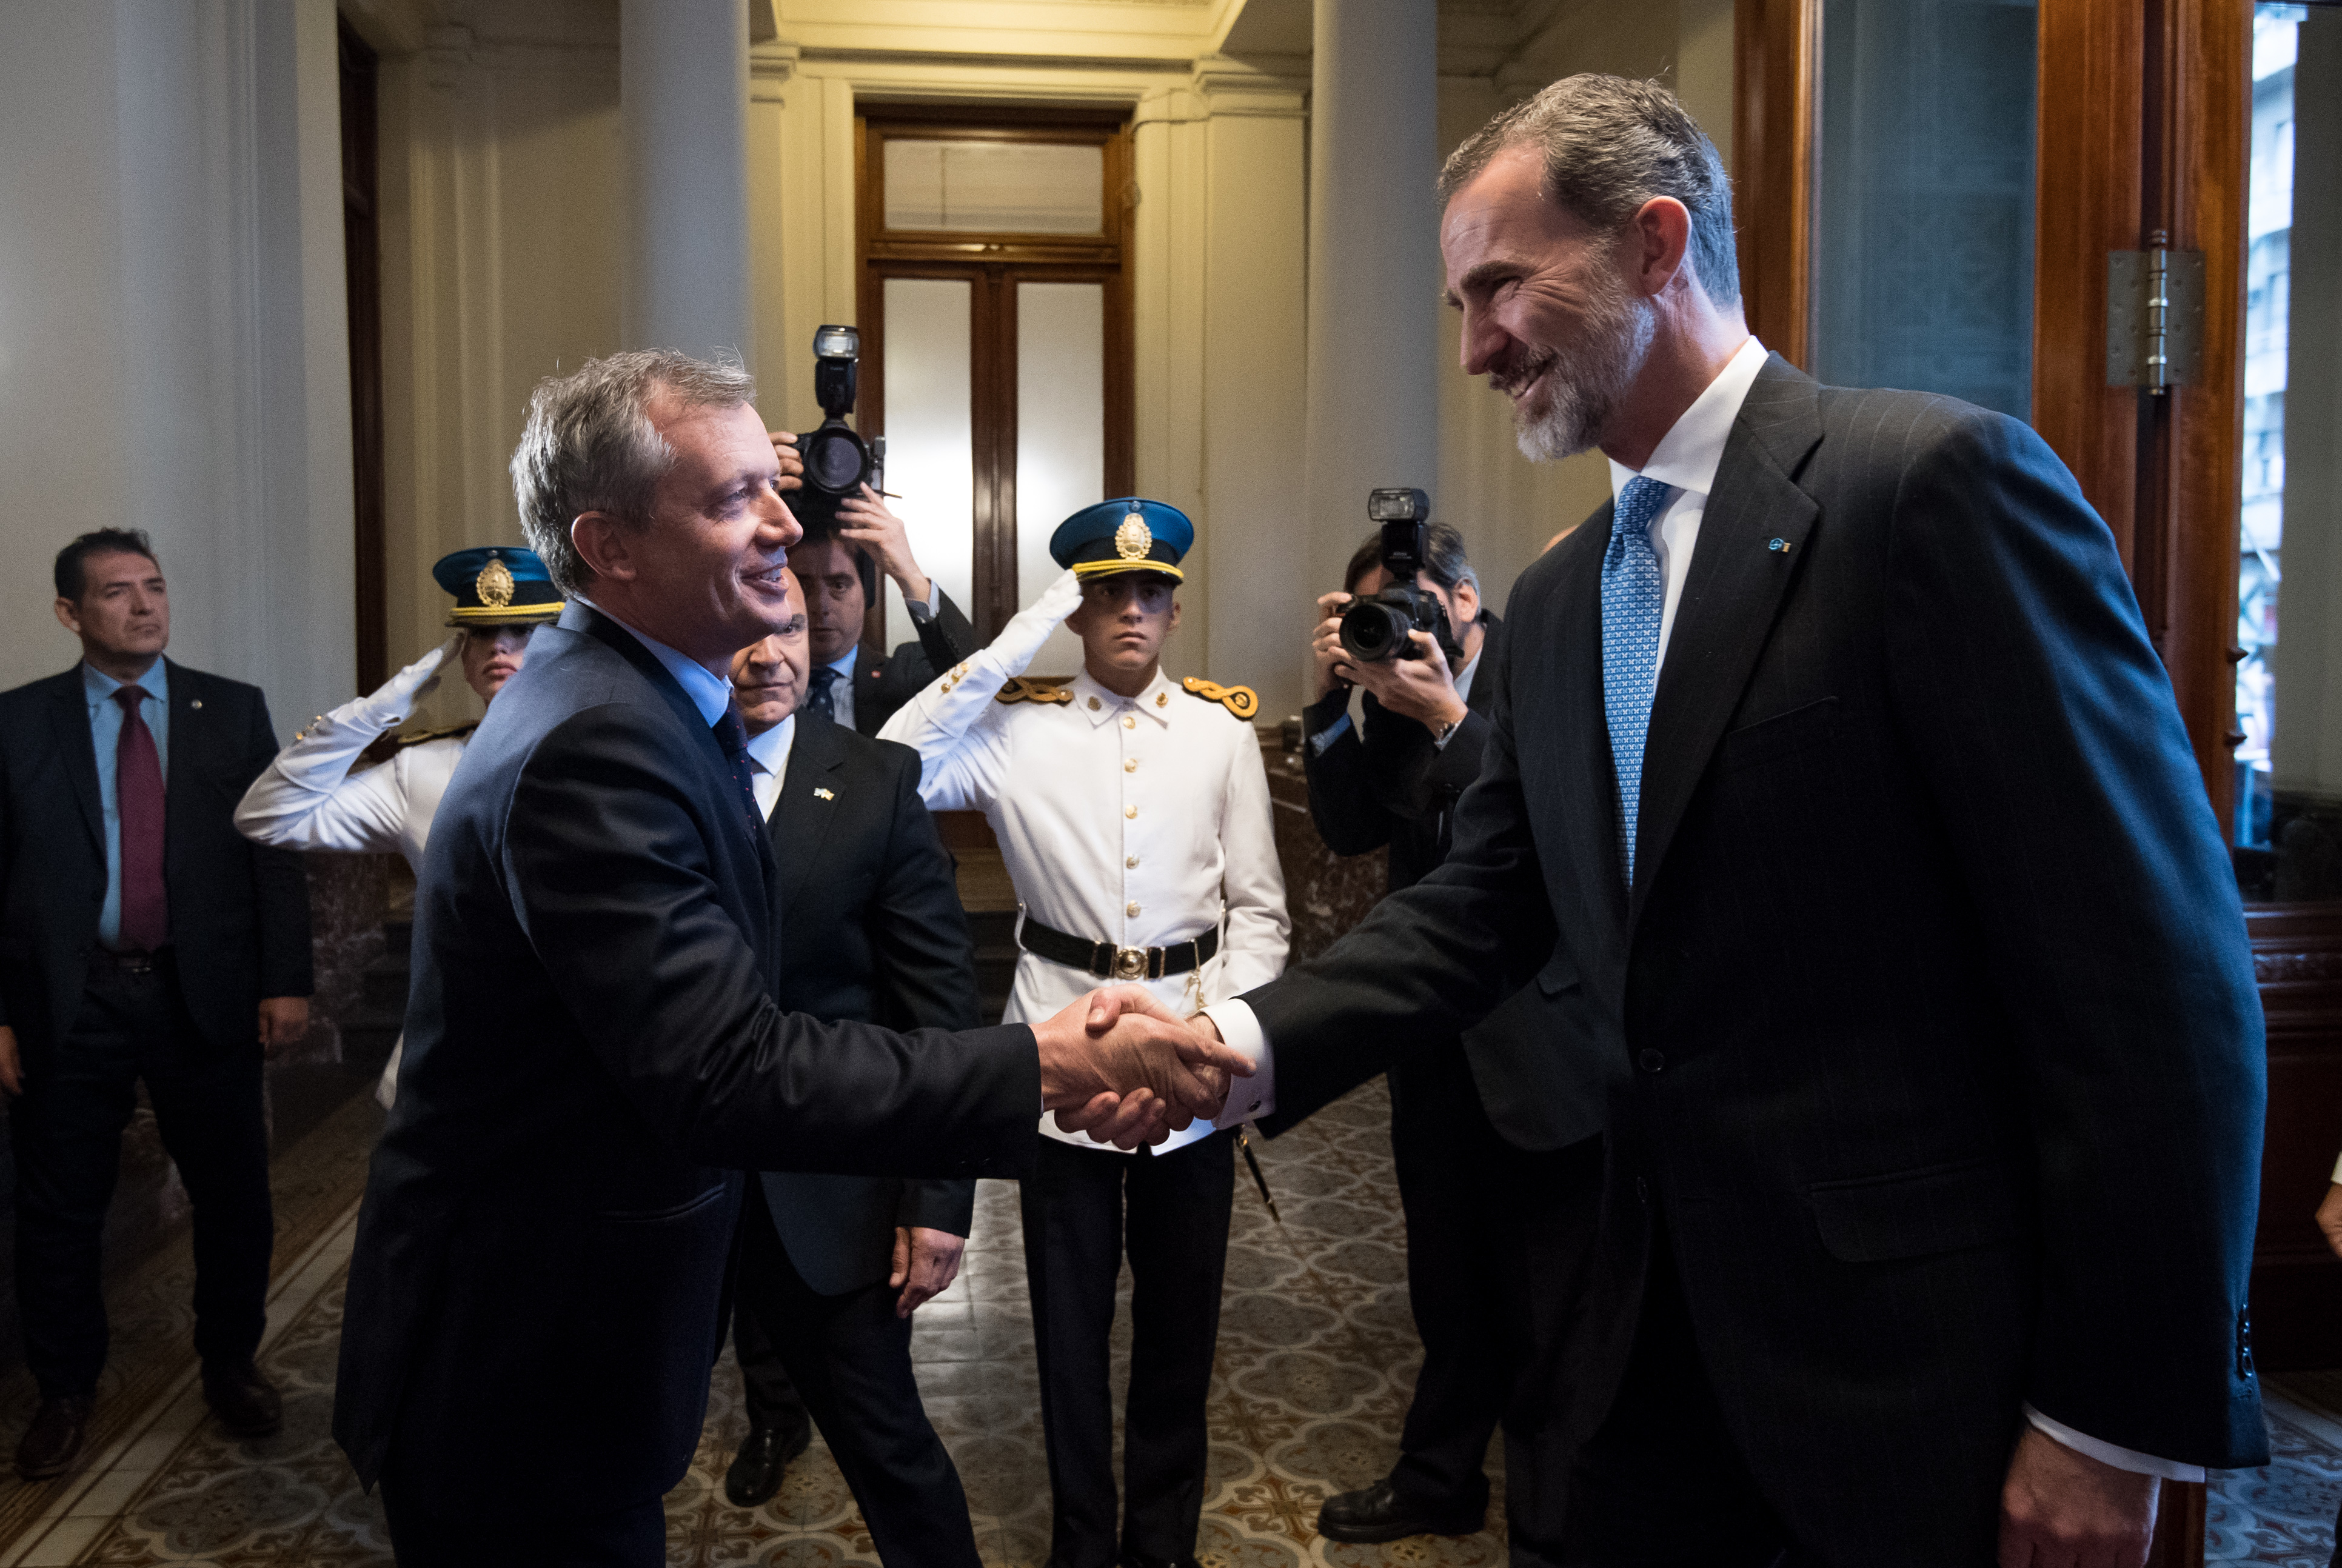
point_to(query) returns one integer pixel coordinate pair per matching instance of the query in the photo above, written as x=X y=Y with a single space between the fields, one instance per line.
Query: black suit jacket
x=871 y=929
x=593 y=1056
x=239 y=913
x=1543 y=1078
x=1948 y=1061
x=882 y=685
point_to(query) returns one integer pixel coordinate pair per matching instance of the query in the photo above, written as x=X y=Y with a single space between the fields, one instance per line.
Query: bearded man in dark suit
x=1837 y=751
x=593 y=1050
x=832 y=1267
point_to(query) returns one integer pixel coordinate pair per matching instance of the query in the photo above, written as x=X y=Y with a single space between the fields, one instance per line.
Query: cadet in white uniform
x=1132 y=813
x=309 y=799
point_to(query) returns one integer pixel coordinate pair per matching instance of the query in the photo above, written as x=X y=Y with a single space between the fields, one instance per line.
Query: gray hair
x=1610 y=145
x=589 y=446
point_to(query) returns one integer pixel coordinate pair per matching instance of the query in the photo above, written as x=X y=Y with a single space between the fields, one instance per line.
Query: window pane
x=1028 y=187
x=929 y=444
x=1060 y=434
x=2288 y=824
x=1923 y=236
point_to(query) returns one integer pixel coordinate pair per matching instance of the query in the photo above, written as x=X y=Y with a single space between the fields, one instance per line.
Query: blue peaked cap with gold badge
x=1126 y=536
x=498 y=586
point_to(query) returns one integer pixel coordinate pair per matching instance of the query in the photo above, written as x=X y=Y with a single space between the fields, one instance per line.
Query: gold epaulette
x=1241 y=701
x=1035 y=689
x=417 y=737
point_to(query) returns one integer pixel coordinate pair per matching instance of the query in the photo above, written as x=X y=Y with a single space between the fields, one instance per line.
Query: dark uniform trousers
x=1495 y=1236
x=1081 y=1208
x=846 y=1360
x=67 y=1133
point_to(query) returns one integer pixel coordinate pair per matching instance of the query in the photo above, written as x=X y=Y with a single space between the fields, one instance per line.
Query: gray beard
x=1588 y=379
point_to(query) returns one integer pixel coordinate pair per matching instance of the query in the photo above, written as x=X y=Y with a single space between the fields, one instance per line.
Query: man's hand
x=2062 y=1509
x=1422 y=688
x=864 y=520
x=1119 y=1065
x=12 y=1066
x=785 y=448
x=283 y=1021
x=1334 y=667
x=925 y=1263
x=2329 y=1212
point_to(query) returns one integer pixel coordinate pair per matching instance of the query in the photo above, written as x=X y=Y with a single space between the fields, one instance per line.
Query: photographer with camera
x=1498 y=1160
x=851 y=539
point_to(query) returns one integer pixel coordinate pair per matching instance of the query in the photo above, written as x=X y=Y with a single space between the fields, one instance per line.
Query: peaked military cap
x=498 y=586
x=1130 y=534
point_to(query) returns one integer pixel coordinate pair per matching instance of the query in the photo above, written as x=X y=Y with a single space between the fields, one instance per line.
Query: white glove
x=388 y=707
x=1030 y=627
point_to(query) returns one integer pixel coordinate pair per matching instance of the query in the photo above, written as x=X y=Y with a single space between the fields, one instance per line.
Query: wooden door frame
x=2115 y=162
x=362 y=278
x=994 y=264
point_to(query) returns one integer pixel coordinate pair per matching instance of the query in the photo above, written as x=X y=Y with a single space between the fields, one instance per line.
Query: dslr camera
x=1375 y=627
x=837 y=462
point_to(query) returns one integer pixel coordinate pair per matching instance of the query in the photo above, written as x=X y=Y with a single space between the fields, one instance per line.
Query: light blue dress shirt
x=710 y=693
x=106 y=735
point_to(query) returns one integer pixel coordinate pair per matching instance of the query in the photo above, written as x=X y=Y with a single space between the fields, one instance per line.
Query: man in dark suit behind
x=593 y=1051
x=1929 y=1198
x=141 y=937
x=832 y=1267
x=1496 y=1146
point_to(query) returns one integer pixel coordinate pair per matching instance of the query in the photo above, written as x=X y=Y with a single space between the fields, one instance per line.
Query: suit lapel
x=800 y=823
x=69 y=716
x=867 y=671
x=183 y=775
x=1731 y=595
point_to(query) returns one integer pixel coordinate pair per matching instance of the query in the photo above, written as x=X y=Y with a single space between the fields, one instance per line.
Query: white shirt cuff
x=2107 y=1453
x=1256 y=1096
x=2337 y=1170
x=928 y=608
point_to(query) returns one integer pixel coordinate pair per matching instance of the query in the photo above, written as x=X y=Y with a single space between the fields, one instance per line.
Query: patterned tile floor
x=1316 y=1357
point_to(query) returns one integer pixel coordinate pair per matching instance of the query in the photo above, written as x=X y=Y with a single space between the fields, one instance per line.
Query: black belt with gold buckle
x=1108 y=962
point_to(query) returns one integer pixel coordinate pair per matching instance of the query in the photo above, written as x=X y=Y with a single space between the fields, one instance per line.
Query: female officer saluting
x=309 y=799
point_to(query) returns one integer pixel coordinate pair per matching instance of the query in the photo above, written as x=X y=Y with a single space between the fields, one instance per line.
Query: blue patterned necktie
x=818 y=700
x=732 y=734
x=1634 y=593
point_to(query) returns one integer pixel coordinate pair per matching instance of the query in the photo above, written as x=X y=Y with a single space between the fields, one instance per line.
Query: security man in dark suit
x=141 y=937
x=1496 y=1147
x=540 y=1278
x=1837 y=747
x=832 y=1267
x=839 y=568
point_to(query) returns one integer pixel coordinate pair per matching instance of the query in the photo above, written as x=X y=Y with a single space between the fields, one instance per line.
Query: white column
x=1373 y=264
x=683 y=88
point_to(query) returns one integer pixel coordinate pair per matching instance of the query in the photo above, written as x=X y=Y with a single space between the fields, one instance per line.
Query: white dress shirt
x=1686 y=461
x=1140 y=821
x=768 y=756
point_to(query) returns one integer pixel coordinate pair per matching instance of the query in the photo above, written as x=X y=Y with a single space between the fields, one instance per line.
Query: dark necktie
x=732 y=734
x=138 y=796
x=818 y=700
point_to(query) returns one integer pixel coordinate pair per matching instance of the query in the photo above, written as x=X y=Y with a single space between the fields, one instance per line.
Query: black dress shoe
x=1141 y=1560
x=53 y=1441
x=1379 y=1514
x=755 y=1472
x=247 y=1403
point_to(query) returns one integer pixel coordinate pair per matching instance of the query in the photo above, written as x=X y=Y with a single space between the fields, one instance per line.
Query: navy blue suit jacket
x=593 y=1057
x=1941 y=1058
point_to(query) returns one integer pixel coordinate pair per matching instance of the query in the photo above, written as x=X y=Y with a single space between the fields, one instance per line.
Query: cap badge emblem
x=1134 y=539
x=495 y=584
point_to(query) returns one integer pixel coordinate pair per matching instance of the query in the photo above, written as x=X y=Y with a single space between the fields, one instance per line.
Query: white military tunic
x=1140 y=821
x=308 y=798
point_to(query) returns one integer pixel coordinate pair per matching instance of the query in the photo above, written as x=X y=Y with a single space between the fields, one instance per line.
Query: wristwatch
x=1444 y=733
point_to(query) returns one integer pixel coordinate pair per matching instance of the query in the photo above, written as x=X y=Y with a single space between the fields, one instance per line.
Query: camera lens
x=834 y=460
x=1371 y=630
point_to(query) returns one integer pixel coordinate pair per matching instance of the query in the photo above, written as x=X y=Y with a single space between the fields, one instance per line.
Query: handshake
x=1122 y=1067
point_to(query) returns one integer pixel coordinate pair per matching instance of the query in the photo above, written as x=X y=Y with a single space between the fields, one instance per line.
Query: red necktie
x=138 y=795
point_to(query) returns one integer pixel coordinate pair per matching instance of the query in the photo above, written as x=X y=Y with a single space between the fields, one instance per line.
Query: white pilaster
x=683 y=88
